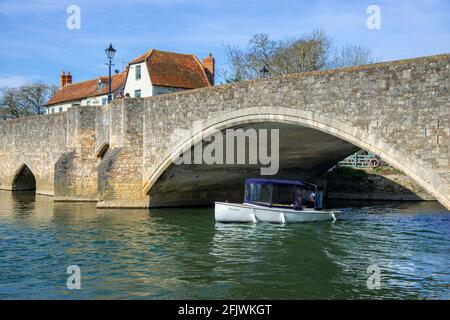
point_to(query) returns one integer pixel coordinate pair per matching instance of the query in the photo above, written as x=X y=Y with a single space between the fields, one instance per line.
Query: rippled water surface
x=184 y=254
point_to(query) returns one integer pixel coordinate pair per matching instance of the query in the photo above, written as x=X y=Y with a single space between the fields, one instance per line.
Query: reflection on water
x=183 y=253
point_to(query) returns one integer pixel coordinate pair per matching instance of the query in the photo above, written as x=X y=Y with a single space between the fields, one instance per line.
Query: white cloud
x=12 y=8
x=11 y=80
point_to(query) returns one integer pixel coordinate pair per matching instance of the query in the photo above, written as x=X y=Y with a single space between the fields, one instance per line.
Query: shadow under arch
x=362 y=139
x=23 y=179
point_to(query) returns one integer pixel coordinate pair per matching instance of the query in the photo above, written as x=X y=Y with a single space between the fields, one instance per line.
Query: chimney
x=209 y=65
x=65 y=79
x=68 y=78
x=62 y=80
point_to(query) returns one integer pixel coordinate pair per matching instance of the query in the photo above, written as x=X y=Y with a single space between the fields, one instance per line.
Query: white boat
x=235 y=212
x=276 y=201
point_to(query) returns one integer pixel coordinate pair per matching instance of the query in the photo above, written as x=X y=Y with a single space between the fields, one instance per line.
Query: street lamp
x=110 y=54
x=265 y=72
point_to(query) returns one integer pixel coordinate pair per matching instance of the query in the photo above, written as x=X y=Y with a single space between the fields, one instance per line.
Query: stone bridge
x=120 y=155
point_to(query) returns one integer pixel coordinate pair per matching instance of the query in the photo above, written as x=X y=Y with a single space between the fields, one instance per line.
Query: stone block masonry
x=399 y=110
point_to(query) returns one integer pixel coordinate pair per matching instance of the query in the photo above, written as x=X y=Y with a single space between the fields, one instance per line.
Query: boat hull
x=234 y=212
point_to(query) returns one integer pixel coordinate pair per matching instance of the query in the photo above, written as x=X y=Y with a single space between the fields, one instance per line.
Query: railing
x=357 y=160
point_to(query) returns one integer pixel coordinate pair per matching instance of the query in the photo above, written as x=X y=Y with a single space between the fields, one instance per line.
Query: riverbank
x=383 y=183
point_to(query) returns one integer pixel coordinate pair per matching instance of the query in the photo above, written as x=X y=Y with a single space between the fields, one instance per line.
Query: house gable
x=165 y=72
x=132 y=83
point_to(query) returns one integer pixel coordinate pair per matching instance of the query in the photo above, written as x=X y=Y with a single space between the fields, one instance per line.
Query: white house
x=153 y=73
x=91 y=92
x=158 y=72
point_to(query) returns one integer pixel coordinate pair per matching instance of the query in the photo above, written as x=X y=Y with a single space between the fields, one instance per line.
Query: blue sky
x=36 y=44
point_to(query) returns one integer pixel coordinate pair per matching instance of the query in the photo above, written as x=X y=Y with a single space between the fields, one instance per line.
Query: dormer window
x=101 y=86
x=138 y=72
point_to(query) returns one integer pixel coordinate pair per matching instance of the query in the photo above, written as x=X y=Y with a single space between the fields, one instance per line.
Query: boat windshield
x=258 y=193
x=283 y=195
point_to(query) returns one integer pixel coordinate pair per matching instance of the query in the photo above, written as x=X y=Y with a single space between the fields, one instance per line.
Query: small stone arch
x=23 y=179
x=102 y=150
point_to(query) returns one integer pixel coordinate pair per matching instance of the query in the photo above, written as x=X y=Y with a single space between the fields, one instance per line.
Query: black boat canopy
x=293 y=194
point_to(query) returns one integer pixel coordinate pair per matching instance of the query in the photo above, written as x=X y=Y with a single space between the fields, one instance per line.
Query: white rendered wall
x=94 y=101
x=144 y=84
x=56 y=108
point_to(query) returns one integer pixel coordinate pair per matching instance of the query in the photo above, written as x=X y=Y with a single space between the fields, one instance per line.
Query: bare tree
x=260 y=53
x=26 y=100
x=10 y=105
x=351 y=55
x=34 y=96
x=238 y=60
x=310 y=52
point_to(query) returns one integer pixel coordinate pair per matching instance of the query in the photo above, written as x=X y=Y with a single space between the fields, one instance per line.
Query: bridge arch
x=23 y=179
x=363 y=139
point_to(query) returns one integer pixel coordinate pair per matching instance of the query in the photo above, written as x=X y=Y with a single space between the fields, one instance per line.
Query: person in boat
x=310 y=201
x=312 y=197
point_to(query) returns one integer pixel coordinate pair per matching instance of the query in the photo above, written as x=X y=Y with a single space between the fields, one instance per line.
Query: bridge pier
x=120 y=171
x=76 y=169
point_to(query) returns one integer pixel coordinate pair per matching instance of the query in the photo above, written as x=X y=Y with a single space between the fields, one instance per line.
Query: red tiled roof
x=167 y=69
x=170 y=69
x=142 y=57
x=85 y=89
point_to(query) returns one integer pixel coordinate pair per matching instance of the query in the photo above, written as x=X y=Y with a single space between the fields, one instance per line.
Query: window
x=104 y=101
x=138 y=72
x=258 y=193
x=60 y=109
x=283 y=195
x=53 y=110
x=137 y=93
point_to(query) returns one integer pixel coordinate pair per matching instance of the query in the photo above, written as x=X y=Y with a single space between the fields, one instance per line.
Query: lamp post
x=110 y=54
x=265 y=71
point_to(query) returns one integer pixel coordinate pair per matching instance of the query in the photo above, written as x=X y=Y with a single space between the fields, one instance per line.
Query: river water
x=184 y=254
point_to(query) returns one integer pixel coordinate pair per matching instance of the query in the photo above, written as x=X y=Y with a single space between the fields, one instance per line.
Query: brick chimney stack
x=68 y=78
x=209 y=65
x=65 y=79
